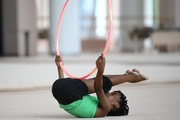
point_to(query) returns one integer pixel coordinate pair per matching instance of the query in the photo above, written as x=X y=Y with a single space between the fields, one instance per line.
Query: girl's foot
x=138 y=76
x=136 y=71
x=128 y=72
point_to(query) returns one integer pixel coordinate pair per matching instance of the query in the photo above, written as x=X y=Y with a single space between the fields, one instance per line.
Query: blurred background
x=145 y=35
x=28 y=27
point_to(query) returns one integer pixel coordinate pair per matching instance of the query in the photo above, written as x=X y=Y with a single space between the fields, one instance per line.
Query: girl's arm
x=60 y=71
x=104 y=106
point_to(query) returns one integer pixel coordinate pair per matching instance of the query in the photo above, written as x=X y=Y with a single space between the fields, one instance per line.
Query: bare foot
x=138 y=76
x=128 y=72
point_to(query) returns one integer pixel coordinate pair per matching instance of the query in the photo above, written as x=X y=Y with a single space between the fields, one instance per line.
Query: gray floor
x=40 y=71
x=146 y=102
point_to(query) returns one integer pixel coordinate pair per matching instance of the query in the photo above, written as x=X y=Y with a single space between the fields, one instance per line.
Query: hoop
x=105 y=48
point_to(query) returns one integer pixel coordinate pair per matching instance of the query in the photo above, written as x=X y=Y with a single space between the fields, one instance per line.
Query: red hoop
x=106 y=46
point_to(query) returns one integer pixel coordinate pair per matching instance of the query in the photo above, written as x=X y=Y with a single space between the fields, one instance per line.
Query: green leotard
x=84 y=108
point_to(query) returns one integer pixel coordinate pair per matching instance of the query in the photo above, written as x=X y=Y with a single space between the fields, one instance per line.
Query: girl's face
x=114 y=99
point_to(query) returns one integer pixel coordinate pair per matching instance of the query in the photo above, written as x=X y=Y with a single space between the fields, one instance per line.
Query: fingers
x=100 y=63
x=58 y=58
x=102 y=55
x=101 y=58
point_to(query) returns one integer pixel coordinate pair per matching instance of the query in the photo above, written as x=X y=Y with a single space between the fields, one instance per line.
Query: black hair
x=124 y=108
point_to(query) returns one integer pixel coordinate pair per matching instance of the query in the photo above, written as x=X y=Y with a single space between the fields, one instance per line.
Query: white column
x=19 y=18
x=69 y=36
x=177 y=14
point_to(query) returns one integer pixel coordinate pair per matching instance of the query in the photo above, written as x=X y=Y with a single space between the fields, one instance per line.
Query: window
x=93 y=14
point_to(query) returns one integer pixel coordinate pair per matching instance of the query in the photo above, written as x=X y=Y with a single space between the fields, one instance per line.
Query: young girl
x=73 y=94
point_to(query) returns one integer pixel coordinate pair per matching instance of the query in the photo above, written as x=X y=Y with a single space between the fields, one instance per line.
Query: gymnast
x=73 y=95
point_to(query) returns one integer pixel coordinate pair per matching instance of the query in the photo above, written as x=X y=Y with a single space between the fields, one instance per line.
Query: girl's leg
x=132 y=77
x=90 y=85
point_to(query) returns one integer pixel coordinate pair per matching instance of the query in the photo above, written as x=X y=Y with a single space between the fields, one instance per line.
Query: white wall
x=177 y=13
x=9 y=27
x=18 y=17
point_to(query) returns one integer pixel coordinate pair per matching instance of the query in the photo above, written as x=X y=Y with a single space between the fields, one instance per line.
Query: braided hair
x=124 y=108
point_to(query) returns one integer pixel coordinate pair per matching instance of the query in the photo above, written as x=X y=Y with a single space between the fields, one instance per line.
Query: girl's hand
x=100 y=63
x=57 y=60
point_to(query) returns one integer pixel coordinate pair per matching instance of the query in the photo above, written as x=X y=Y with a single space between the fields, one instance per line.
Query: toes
x=143 y=76
x=135 y=70
x=128 y=72
x=138 y=76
